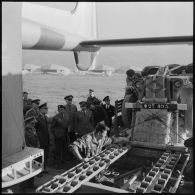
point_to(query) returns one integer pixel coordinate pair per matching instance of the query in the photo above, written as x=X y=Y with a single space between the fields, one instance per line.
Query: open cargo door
x=18 y=161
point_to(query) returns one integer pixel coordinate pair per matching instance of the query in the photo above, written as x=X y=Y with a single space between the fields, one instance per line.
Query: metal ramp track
x=157 y=178
x=72 y=179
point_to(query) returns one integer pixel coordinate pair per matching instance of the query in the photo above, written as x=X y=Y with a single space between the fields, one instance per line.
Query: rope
x=154 y=116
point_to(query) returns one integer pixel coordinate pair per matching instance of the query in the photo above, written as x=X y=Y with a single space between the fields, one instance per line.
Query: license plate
x=155 y=106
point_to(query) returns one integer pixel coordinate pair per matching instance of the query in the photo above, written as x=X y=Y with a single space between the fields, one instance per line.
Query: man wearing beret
x=34 y=111
x=84 y=122
x=71 y=109
x=59 y=128
x=42 y=132
x=110 y=109
x=31 y=139
x=92 y=98
x=27 y=105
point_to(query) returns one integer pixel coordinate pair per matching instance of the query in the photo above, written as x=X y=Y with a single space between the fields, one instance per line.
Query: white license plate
x=155 y=106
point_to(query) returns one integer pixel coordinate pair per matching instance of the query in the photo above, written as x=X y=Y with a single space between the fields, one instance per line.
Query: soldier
x=92 y=98
x=110 y=110
x=99 y=114
x=34 y=111
x=91 y=144
x=71 y=109
x=31 y=140
x=27 y=105
x=59 y=128
x=84 y=122
x=42 y=132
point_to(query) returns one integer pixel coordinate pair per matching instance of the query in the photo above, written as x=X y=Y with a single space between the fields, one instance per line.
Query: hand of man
x=84 y=159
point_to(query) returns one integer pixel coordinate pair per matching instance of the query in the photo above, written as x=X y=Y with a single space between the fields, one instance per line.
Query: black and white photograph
x=97 y=97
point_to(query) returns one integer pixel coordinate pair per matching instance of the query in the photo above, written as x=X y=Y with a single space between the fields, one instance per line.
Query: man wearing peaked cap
x=42 y=132
x=106 y=98
x=83 y=103
x=68 y=97
x=71 y=109
x=32 y=140
x=27 y=105
x=84 y=121
x=36 y=101
x=59 y=128
x=25 y=93
x=110 y=110
x=61 y=107
x=44 y=105
x=34 y=111
x=92 y=98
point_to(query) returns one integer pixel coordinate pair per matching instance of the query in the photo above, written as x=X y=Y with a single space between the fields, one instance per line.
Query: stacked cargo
x=152 y=126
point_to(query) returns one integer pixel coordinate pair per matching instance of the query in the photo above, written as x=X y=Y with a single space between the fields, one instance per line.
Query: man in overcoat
x=42 y=132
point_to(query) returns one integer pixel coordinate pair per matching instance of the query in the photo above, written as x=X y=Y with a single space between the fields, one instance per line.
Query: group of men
x=66 y=126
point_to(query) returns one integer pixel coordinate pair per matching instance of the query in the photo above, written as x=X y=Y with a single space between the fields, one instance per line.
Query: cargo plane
x=36 y=27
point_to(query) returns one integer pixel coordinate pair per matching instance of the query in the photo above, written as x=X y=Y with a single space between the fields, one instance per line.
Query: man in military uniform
x=31 y=139
x=27 y=105
x=110 y=110
x=34 y=111
x=59 y=128
x=99 y=114
x=84 y=122
x=42 y=132
x=71 y=109
x=92 y=143
x=92 y=98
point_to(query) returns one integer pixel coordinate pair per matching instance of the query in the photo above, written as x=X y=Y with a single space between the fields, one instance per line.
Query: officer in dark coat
x=31 y=139
x=92 y=98
x=71 y=109
x=110 y=109
x=84 y=121
x=34 y=111
x=99 y=114
x=59 y=128
x=27 y=105
x=42 y=131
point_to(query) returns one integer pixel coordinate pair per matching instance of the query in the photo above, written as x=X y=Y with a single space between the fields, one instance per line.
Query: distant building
x=55 y=69
x=30 y=68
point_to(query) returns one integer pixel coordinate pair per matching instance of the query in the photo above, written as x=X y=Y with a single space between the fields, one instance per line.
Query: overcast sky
x=140 y=19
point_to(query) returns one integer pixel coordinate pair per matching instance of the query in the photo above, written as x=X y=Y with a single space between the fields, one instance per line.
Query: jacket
x=31 y=137
x=59 y=125
x=110 y=113
x=42 y=130
x=84 y=123
x=71 y=110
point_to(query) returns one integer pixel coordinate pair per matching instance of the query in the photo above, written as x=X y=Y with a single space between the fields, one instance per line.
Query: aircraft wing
x=138 y=41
